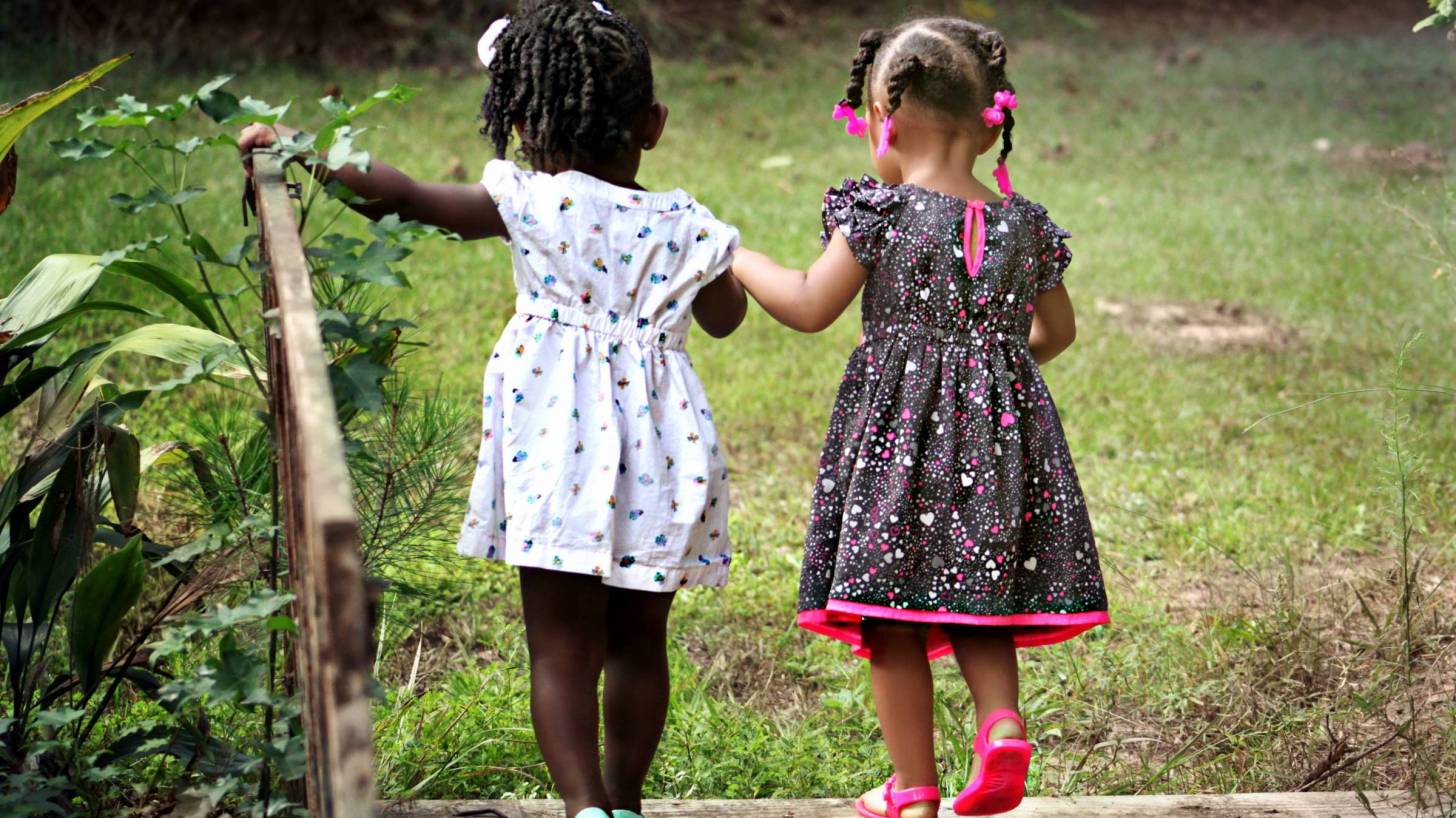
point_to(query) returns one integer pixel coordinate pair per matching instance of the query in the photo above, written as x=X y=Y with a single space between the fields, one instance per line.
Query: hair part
x=577 y=82
x=949 y=66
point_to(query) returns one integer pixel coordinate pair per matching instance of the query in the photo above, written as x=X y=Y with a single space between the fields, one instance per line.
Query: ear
x=877 y=111
x=654 y=125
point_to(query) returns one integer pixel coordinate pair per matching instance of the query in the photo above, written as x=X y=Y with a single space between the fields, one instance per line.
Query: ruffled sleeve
x=506 y=183
x=721 y=241
x=865 y=212
x=1052 y=253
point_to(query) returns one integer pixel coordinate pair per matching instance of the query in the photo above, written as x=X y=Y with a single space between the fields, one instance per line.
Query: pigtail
x=992 y=47
x=901 y=78
x=869 y=46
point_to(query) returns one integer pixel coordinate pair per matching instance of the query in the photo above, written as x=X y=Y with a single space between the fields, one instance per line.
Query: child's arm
x=1053 y=325
x=720 y=306
x=807 y=301
x=464 y=209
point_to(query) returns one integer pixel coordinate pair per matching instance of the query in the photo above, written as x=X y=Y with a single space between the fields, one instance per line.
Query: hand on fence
x=259 y=137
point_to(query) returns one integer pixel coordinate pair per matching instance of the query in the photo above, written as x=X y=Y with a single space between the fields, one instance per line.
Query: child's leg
x=637 y=689
x=566 y=618
x=987 y=657
x=904 y=701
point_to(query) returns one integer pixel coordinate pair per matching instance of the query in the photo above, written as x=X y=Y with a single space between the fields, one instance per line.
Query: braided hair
x=577 y=80
x=950 y=66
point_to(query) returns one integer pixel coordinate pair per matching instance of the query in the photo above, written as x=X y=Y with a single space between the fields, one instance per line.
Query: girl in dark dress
x=947 y=516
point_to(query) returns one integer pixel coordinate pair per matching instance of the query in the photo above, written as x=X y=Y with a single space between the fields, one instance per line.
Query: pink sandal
x=896 y=800
x=1000 y=784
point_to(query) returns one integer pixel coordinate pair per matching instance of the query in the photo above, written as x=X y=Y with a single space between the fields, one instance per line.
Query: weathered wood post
x=325 y=569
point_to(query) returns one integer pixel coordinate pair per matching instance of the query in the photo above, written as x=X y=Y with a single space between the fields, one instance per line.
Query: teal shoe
x=593 y=812
x=625 y=813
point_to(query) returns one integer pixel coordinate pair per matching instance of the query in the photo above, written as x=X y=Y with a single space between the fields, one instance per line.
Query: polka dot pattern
x=946 y=492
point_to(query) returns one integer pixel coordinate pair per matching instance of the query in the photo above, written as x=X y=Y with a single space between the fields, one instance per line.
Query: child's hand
x=259 y=137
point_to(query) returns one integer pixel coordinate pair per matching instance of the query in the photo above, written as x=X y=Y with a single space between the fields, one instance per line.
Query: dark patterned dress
x=946 y=494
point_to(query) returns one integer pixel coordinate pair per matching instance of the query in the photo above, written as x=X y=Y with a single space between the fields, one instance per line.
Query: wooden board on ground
x=1270 y=805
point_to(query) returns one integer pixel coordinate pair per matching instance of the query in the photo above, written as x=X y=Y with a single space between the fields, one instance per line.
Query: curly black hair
x=950 y=66
x=575 y=76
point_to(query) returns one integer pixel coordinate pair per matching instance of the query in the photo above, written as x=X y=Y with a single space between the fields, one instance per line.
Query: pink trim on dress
x=841 y=620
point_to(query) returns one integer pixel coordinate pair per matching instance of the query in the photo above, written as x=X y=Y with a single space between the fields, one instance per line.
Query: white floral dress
x=598 y=452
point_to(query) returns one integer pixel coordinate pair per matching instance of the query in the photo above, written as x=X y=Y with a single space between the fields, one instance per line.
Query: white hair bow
x=485 y=49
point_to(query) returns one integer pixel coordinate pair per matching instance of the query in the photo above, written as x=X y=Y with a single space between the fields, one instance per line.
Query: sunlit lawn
x=1231 y=553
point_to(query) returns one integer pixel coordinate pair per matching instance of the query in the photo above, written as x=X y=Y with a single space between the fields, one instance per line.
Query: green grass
x=1233 y=557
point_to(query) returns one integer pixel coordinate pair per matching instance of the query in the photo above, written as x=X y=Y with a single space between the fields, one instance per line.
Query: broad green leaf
x=169 y=283
x=43 y=332
x=64 y=530
x=392 y=228
x=373 y=266
x=135 y=247
x=156 y=197
x=100 y=604
x=1427 y=23
x=341 y=152
x=21 y=643
x=124 y=473
x=187 y=147
x=54 y=286
x=14 y=394
x=16 y=119
x=203 y=368
x=177 y=343
x=256 y=110
x=356 y=383
x=9 y=174
x=57 y=718
x=283 y=624
x=240 y=251
x=79 y=150
x=214 y=101
x=343 y=115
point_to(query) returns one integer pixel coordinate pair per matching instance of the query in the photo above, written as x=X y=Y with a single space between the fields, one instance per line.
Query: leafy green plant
x=1443 y=13
x=79 y=462
x=16 y=118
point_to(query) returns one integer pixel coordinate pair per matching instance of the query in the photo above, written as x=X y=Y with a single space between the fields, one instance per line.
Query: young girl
x=947 y=517
x=599 y=473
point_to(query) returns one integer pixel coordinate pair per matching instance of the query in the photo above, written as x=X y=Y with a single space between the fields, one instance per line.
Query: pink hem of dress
x=841 y=620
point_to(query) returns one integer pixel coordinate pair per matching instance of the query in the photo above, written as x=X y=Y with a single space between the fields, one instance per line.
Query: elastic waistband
x=620 y=328
x=916 y=332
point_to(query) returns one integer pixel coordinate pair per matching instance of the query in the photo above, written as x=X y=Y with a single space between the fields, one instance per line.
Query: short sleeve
x=506 y=184
x=1052 y=253
x=719 y=240
x=864 y=212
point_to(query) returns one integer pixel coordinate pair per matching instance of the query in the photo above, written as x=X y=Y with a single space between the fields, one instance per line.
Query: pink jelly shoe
x=896 y=800
x=1000 y=784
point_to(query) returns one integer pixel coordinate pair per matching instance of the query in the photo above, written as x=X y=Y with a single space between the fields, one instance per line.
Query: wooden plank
x=1255 y=805
x=326 y=572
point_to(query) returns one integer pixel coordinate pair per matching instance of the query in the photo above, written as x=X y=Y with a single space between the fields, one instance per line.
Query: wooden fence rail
x=1252 y=805
x=326 y=572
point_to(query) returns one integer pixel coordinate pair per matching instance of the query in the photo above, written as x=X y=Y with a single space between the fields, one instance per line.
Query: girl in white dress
x=600 y=475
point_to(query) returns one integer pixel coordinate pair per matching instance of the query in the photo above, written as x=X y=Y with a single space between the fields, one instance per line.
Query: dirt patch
x=1193 y=326
x=1412 y=158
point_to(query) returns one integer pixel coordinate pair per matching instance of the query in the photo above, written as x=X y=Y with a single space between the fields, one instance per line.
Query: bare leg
x=987 y=657
x=566 y=617
x=637 y=689
x=904 y=692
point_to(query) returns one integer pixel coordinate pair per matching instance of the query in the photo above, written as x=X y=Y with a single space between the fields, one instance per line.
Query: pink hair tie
x=1003 y=101
x=1003 y=178
x=885 y=132
x=855 y=126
